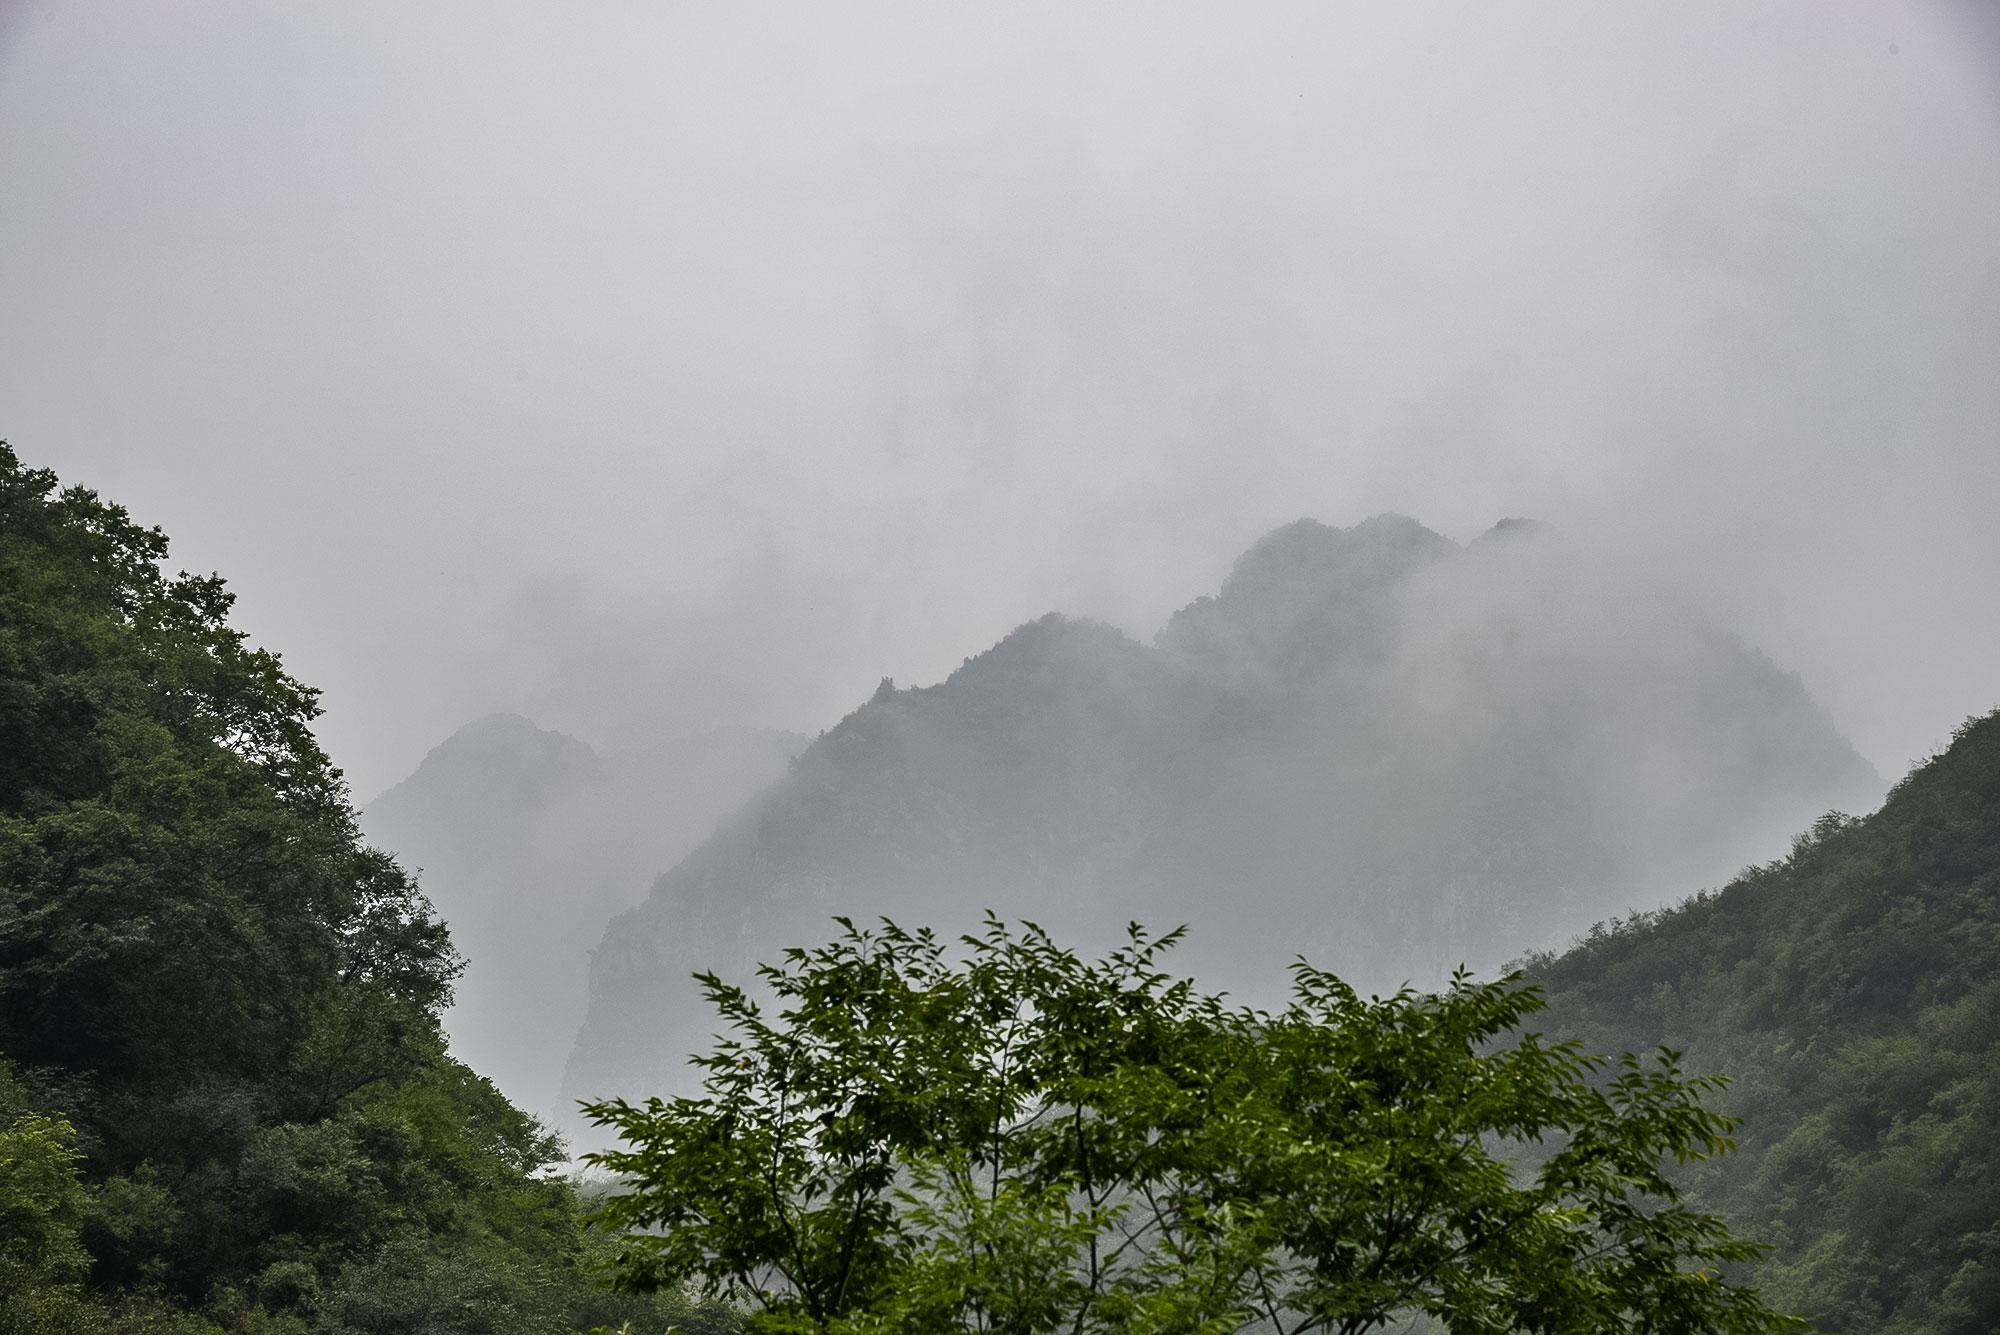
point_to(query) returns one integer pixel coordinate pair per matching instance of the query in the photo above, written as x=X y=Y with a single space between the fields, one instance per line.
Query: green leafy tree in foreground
x=998 y=1135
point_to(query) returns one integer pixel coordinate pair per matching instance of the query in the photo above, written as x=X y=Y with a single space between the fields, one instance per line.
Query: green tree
x=234 y=1106
x=996 y=1134
x=41 y=1199
x=182 y=887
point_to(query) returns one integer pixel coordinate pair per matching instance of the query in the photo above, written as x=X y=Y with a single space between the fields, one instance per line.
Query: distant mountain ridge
x=1372 y=745
x=528 y=840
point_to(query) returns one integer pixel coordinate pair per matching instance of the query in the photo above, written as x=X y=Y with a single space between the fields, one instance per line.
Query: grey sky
x=641 y=367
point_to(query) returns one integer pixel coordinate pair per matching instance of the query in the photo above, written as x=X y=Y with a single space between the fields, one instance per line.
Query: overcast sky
x=646 y=367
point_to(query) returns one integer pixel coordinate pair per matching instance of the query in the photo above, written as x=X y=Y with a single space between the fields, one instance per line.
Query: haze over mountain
x=671 y=358
x=528 y=841
x=1372 y=746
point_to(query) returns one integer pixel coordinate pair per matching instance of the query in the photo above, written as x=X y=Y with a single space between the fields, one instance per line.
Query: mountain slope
x=1371 y=746
x=529 y=841
x=1852 y=993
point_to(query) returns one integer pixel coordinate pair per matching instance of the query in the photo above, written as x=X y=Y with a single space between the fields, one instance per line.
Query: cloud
x=893 y=327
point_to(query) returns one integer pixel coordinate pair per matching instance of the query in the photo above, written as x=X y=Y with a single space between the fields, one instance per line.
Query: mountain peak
x=1308 y=554
x=1508 y=530
x=510 y=739
x=1308 y=542
x=495 y=749
x=1300 y=598
x=1051 y=643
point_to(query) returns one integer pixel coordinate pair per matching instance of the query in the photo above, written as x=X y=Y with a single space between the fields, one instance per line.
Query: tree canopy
x=225 y=1099
x=996 y=1134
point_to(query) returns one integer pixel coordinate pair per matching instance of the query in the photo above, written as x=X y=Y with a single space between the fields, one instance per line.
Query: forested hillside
x=1373 y=746
x=225 y=1101
x=1851 y=992
x=528 y=841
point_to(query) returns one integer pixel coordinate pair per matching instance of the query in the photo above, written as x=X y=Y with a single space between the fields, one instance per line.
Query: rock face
x=1372 y=746
x=528 y=841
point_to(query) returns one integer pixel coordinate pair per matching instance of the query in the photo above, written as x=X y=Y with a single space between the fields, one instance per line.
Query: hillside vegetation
x=1851 y=992
x=225 y=1102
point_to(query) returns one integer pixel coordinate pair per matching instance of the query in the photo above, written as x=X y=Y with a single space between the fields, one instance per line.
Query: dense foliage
x=226 y=1104
x=1852 y=991
x=224 y=1097
x=997 y=1135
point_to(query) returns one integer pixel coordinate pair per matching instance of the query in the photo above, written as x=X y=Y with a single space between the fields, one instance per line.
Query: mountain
x=1372 y=746
x=528 y=841
x=1851 y=992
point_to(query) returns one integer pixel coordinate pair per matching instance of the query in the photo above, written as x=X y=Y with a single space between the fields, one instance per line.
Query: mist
x=528 y=842
x=647 y=370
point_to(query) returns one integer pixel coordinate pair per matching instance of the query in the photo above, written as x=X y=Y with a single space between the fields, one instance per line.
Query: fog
x=528 y=842
x=1371 y=746
x=646 y=369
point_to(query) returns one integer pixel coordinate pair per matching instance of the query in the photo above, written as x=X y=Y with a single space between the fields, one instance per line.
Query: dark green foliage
x=1852 y=991
x=232 y=1105
x=997 y=1135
